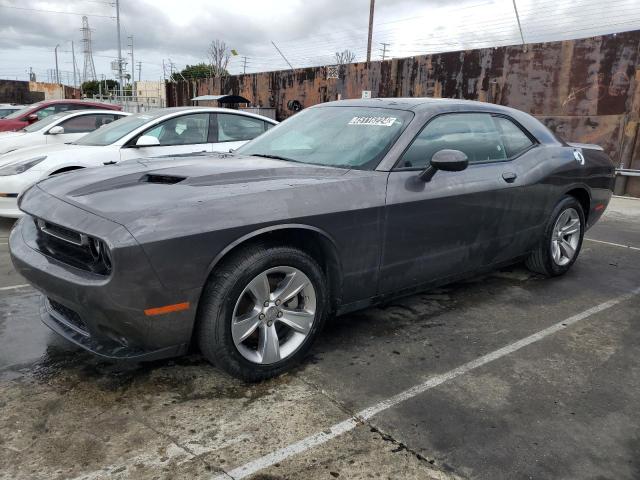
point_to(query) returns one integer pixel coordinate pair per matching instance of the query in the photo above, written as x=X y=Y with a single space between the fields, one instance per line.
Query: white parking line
x=338 y=429
x=14 y=287
x=612 y=244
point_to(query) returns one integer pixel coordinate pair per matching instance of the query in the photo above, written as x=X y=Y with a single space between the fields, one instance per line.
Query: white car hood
x=41 y=150
x=9 y=135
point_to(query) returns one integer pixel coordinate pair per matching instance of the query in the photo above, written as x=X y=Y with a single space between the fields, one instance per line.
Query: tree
x=344 y=57
x=219 y=54
x=93 y=87
x=200 y=70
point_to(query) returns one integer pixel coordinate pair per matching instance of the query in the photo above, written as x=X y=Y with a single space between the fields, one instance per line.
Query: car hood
x=8 y=135
x=41 y=150
x=143 y=193
x=9 y=124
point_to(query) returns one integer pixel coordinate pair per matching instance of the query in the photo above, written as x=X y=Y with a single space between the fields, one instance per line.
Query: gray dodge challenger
x=345 y=205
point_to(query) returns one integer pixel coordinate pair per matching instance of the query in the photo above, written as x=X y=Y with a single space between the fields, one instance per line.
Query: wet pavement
x=564 y=407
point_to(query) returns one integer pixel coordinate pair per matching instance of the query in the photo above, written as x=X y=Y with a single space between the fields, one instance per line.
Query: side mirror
x=32 y=118
x=447 y=161
x=147 y=141
x=57 y=130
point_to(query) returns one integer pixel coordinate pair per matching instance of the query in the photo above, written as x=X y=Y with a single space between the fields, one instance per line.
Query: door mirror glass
x=449 y=160
x=57 y=130
x=147 y=141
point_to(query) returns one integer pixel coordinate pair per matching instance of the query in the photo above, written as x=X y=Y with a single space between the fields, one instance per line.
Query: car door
x=458 y=221
x=177 y=135
x=78 y=126
x=233 y=130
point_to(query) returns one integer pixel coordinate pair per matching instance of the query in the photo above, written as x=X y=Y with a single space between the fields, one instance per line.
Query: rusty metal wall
x=582 y=89
x=16 y=91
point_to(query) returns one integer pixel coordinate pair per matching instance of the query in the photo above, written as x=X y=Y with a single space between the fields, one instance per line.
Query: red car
x=37 y=111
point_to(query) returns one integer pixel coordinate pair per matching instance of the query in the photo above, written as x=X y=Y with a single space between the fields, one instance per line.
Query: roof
x=221 y=98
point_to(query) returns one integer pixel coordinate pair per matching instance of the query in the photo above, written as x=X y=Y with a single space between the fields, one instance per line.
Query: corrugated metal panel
x=583 y=89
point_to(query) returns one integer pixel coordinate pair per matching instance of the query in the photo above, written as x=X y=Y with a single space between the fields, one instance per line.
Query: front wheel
x=261 y=311
x=561 y=241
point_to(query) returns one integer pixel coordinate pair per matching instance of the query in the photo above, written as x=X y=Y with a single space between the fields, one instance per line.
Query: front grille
x=62 y=233
x=69 y=315
x=70 y=247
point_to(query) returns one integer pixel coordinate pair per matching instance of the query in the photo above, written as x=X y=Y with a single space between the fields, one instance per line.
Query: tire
x=230 y=296
x=544 y=259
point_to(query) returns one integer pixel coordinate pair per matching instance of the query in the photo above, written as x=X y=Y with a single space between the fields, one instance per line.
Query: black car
x=342 y=206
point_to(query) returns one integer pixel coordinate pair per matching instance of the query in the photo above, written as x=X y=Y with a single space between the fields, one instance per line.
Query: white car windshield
x=345 y=137
x=23 y=111
x=114 y=131
x=45 y=122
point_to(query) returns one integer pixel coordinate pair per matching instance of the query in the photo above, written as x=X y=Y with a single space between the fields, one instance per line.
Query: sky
x=308 y=33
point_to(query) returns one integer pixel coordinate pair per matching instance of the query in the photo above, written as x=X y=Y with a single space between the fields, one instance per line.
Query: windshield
x=114 y=131
x=6 y=111
x=346 y=137
x=46 y=121
x=23 y=111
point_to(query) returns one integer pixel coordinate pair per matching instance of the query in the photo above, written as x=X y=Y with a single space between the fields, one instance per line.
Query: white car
x=168 y=131
x=8 y=109
x=59 y=128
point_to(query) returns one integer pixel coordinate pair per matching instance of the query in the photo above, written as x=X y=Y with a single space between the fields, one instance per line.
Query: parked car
x=7 y=108
x=167 y=131
x=37 y=111
x=342 y=206
x=58 y=129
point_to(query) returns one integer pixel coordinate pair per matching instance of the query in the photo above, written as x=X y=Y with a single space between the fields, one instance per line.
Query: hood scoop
x=161 y=179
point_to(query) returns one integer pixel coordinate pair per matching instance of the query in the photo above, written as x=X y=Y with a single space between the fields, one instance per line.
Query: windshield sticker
x=376 y=121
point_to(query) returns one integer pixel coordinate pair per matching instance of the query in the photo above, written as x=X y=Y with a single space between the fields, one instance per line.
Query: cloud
x=307 y=32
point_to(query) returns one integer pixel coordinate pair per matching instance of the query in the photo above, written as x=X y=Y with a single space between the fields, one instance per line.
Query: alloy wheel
x=565 y=237
x=273 y=315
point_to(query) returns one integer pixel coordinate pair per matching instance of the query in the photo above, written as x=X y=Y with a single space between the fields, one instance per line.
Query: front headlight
x=20 y=166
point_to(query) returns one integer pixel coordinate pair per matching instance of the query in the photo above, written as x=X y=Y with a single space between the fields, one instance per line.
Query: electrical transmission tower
x=89 y=71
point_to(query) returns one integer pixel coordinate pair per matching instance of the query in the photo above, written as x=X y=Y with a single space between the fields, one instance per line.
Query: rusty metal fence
x=585 y=90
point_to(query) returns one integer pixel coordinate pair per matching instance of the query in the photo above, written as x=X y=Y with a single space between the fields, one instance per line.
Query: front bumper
x=9 y=207
x=102 y=314
x=13 y=185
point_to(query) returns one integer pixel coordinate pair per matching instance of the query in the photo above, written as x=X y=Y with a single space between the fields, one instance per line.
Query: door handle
x=509 y=177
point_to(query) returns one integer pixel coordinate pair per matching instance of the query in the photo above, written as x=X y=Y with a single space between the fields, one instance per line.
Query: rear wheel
x=561 y=241
x=261 y=311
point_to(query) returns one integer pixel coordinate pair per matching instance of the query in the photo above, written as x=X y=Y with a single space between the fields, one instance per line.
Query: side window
x=234 y=128
x=515 y=140
x=475 y=134
x=45 y=112
x=86 y=123
x=65 y=107
x=268 y=125
x=184 y=130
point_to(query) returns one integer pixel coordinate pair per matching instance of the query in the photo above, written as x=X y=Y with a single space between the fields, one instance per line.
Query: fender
x=273 y=228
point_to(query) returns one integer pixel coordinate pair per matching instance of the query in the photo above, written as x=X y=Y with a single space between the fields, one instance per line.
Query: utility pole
x=282 y=54
x=515 y=8
x=371 y=8
x=139 y=70
x=384 y=50
x=244 y=65
x=73 y=58
x=133 y=64
x=119 y=47
x=55 y=51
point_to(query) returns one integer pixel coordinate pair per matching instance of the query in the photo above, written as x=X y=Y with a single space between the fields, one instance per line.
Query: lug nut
x=269 y=323
x=266 y=303
x=280 y=314
x=278 y=302
x=261 y=316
